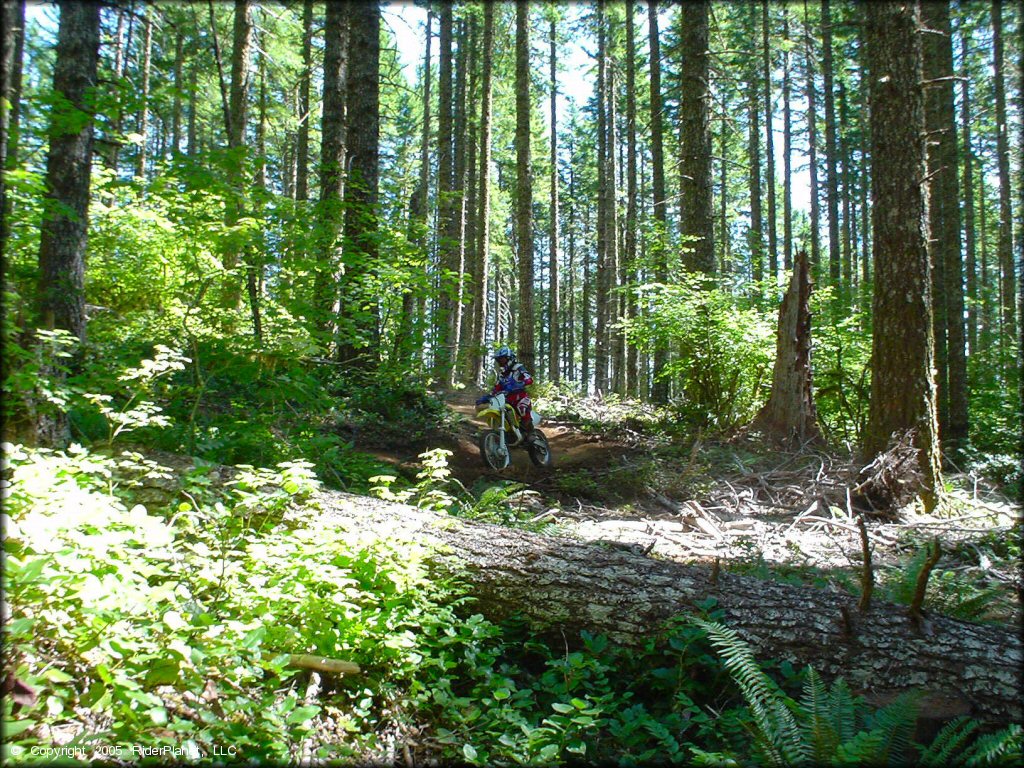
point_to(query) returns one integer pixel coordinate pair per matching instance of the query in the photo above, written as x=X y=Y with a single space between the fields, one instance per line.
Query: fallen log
x=560 y=583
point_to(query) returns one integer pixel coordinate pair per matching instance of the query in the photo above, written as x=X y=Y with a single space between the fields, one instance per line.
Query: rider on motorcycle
x=513 y=379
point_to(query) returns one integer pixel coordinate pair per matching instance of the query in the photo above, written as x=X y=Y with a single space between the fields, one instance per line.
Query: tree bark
x=970 y=239
x=302 y=150
x=447 y=246
x=554 y=344
x=602 y=278
x=1007 y=279
x=695 y=131
x=329 y=216
x=143 y=127
x=563 y=585
x=944 y=212
x=630 y=256
x=902 y=389
x=480 y=304
x=790 y=415
x=524 y=187
x=659 y=386
x=10 y=101
x=812 y=144
x=64 y=228
x=237 y=119
x=787 y=148
x=359 y=319
x=831 y=148
x=769 y=142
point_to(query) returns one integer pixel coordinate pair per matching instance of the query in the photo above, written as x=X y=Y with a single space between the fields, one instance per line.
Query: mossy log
x=563 y=584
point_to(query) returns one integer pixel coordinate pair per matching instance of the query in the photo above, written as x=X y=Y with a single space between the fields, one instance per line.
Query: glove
x=482 y=400
x=514 y=386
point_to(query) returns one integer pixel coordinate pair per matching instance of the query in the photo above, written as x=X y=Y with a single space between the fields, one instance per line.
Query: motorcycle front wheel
x=539 y=450
x=491 y=450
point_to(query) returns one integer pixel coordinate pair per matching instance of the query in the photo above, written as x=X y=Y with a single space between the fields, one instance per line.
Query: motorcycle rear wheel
x=491 y=451
x=539 y=450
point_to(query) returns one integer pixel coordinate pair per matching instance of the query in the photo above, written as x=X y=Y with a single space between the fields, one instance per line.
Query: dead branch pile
x=891 y=481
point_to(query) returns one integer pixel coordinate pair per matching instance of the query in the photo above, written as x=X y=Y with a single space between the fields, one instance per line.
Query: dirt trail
x=572 y=450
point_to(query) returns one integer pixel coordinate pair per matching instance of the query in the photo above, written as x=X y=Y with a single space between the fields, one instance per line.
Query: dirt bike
x=503 y=432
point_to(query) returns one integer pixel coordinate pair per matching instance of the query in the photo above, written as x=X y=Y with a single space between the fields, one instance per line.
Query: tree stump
x=789 y=416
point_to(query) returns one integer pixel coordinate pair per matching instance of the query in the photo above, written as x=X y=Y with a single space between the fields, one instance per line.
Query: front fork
x=513 y=428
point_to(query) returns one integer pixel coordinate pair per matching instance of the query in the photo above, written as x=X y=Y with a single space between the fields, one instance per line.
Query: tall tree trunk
x=944 y=216
x=1007 y=281
x=695 y=129
x=457 y=224
x=554 y=345
x=524 y=186
x=469 y=353
x=360 y=342
x=330 y=216
x=831 y=146
x=755 y=235
x=787 y=148
x=64 y=228
x=769 y=143
x=602 y=277
x=237 y=172
x=902 y=354
x=659 y=245
x=122 y=44
x=179 y=89
x=616 y=363
x=970 y=240
x=846 y=187
x=448 y=246
x=410 y=337
x=562 y=586
x=10 y=102
x=143 y=125
x=302 y=150
x=630 y=257
x=812 y=144
x=480 y=308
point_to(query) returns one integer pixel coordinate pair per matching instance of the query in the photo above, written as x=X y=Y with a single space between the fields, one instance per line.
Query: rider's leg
x=525 y=414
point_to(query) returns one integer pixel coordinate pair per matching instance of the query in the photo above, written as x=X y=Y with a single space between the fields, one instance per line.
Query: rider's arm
x=524 y=377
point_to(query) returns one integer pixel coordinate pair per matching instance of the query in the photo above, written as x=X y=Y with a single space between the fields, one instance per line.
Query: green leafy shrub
x=722 y=350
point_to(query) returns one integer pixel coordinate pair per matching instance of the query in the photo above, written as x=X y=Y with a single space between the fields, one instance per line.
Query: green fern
x=889 y=736
x=829 y=725
x=818 y=726
x=843 y=708
x=945 y=749
x=1005 y=747
x=778 y=734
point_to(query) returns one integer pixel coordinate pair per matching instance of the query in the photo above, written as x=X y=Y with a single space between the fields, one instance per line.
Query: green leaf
x=254 y=637
x=469 y=752
x=502 y=693
x=302 y=714
x=162 y=673
x=14 y=727
x=158 y=715
x=563 y=708
x=57 y=676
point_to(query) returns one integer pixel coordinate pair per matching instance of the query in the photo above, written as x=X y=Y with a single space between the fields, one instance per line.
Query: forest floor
x=748 y=505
